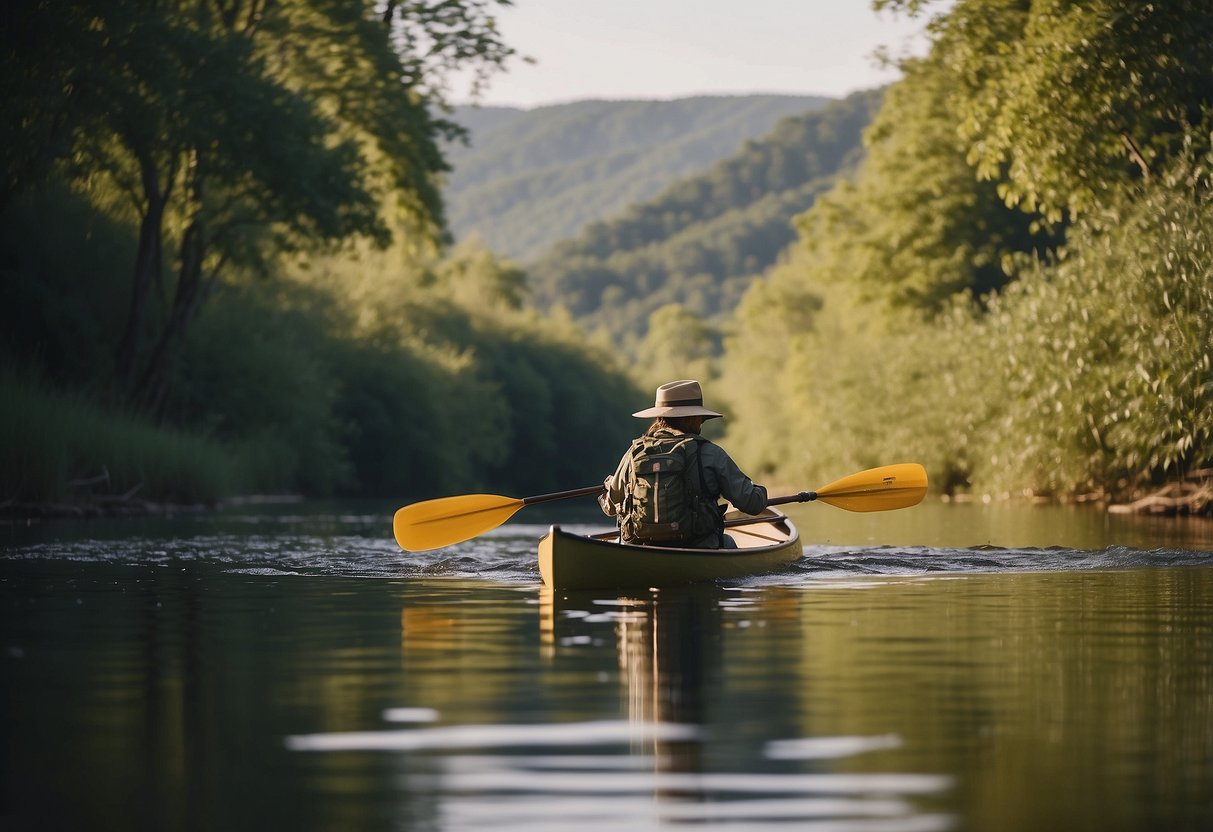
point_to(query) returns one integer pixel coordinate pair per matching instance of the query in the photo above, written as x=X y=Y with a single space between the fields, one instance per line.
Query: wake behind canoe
x=570 y=561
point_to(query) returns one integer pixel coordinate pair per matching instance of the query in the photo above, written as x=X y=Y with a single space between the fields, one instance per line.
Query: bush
x=1106 y=353
x=49 y=439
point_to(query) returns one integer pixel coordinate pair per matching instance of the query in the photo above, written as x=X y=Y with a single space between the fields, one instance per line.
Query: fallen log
x=1182 y=497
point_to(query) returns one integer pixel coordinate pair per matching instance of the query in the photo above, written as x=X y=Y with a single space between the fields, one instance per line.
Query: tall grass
x=50 y=442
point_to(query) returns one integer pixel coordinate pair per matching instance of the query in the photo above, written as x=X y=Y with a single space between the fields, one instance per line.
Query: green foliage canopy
x=946 y=318
x=1062 y=104
x=915 y=226
x=1107 y=353
x=232 y=133
x=234 y=210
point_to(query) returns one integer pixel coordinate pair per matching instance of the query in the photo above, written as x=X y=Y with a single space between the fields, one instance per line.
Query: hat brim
x=680 y=410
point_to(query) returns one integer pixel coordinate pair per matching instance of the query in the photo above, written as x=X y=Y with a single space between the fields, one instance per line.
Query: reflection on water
x=670 y=647
x=661 y=764
x=312 y=677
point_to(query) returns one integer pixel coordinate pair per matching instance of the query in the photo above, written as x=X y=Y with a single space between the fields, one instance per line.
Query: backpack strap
x=625 y=509
x=703 y=488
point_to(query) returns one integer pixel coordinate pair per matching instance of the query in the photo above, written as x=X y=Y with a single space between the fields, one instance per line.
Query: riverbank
x=18 y=513
x=1191 y=495
x=63 y=454
x=25 y=513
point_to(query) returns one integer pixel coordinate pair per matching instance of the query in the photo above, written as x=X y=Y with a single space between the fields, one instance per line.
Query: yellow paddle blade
x=446 y=521
x=878 y=489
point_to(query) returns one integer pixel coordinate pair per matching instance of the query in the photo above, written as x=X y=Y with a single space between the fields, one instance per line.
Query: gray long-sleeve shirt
x=720 y=473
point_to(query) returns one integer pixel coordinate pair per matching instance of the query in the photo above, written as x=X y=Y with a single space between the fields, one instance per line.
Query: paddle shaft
x=563 y=495
x=802 y=497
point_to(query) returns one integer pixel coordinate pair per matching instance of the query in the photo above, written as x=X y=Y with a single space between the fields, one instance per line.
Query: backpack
x=666 y=498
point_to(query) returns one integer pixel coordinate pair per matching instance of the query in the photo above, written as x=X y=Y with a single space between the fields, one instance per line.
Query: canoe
x=766 y=543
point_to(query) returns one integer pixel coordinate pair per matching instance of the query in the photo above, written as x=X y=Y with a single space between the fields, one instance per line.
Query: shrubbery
x=1065 y=352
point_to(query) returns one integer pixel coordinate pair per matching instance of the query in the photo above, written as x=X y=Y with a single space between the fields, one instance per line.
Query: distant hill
x=704 y=238
x=532 y=177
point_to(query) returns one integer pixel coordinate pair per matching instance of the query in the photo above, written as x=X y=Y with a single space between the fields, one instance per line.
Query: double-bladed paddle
x=432 y=524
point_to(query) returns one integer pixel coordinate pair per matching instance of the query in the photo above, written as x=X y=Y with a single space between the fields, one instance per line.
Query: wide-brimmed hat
x=678 y=398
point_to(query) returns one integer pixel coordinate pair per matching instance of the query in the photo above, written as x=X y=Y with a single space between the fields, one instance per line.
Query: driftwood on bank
x=1191 y=495
x=126 y=505
x=17 y=510
x=87 y=501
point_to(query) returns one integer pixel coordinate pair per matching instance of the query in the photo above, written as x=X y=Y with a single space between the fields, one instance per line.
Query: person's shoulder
x=710 y=450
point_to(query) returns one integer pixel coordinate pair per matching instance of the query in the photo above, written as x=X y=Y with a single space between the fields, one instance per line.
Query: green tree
x=235 y=132
x=917 y=226
x=1044 y=366
x=1105 y=355
x=474 y=277
x=678 y=344
x=446 y=382
x=1062 y=103
x=771 y=396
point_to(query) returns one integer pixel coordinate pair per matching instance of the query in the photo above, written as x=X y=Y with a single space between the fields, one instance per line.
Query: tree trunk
x=153 y=383
x=149 y=260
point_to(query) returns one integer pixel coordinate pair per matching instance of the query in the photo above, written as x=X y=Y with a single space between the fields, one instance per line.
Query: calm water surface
x=942 y=668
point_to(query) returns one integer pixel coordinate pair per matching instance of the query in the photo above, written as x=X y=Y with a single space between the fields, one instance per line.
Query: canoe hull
x=569 y=561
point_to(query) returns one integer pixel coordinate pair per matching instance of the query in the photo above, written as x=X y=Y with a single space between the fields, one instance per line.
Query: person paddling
x=668 y=483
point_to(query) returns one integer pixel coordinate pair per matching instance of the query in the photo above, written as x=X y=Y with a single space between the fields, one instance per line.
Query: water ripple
x=624 y=786
x=507 y=555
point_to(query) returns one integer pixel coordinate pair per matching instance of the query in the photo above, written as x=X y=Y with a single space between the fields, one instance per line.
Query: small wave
x=489 y=776
x=822 y=561
x=825 y=748
x=508 y=555
x=578 y=734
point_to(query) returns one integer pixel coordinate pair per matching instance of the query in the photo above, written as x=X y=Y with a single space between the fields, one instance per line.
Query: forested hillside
x=706 y=237
x=1017 y=288
x=528 y=178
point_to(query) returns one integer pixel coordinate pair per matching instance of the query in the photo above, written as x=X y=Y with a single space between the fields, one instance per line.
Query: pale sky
x=673 y=48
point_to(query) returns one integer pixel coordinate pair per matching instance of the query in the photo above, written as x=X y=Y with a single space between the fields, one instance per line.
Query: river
x=946 y=667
